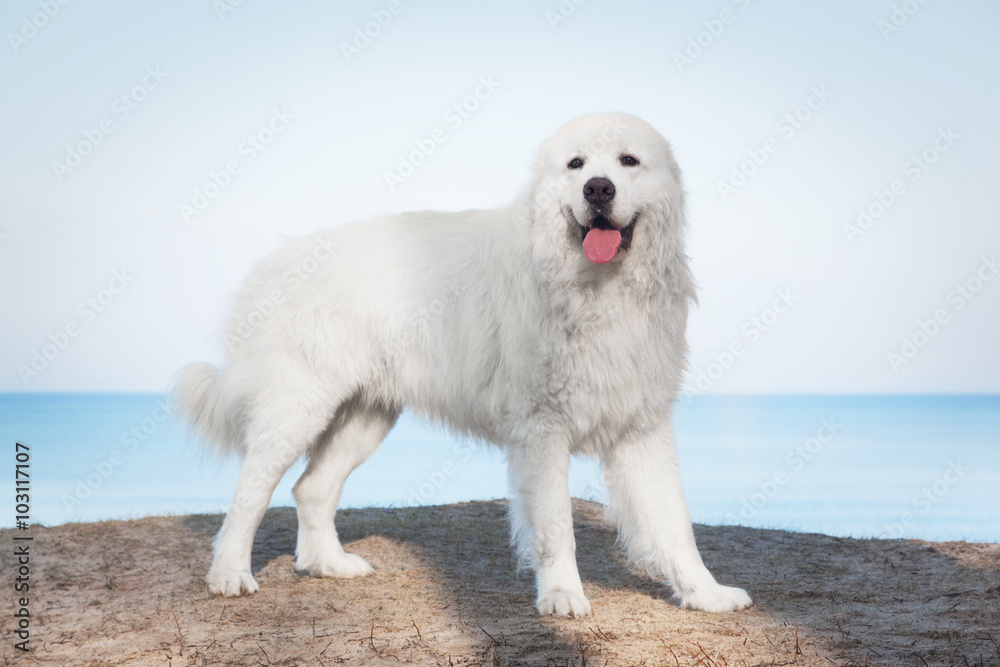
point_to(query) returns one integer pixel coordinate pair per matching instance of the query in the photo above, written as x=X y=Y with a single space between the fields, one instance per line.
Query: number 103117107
x=22 y=484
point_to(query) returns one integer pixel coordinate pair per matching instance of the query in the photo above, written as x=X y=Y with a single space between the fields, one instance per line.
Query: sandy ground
x=446 y=593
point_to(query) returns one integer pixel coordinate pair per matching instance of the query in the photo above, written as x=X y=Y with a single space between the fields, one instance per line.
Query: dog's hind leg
x=354 y=434
x=283 y=423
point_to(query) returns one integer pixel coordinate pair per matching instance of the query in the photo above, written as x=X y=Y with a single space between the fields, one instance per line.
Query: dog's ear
x=692 y=290
x=679 y=275
x=677 y=262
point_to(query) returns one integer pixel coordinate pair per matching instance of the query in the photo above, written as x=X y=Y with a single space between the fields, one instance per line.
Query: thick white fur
x=496 y=324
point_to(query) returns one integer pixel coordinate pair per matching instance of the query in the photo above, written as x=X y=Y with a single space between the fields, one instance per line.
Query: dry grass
x=446 y=593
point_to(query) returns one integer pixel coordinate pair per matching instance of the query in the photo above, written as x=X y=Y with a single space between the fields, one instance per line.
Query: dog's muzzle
x=603 y=240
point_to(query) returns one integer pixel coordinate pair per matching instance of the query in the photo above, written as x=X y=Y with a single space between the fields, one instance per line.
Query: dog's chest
x=613 y=365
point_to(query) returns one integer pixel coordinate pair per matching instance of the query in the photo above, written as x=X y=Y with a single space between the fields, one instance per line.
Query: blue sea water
x=864 y=466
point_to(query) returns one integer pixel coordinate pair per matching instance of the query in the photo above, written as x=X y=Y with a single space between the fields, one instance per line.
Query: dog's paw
x=716 y=599
x=563 y=603
x=230 y=582
x=344 y=566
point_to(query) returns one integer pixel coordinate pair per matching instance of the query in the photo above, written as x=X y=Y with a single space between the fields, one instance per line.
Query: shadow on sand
x=818 y=599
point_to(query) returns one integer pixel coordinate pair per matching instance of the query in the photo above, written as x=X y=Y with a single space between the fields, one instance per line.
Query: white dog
x=550 y=328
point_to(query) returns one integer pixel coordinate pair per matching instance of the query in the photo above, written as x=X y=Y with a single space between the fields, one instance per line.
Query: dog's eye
x=629 y=161
x=575 y=163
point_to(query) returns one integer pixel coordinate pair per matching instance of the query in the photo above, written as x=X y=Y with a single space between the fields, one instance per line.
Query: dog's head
x=606 y=190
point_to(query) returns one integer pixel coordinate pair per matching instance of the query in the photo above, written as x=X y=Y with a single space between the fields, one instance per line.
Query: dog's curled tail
x=199 y=395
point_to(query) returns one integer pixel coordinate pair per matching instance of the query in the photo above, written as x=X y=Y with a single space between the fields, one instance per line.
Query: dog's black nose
x=599 y=190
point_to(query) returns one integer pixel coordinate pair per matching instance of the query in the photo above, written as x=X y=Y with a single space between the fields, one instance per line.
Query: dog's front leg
x=542 y=525
x=647 y=502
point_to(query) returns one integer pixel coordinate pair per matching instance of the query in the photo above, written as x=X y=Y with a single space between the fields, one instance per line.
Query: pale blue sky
x=223 y=78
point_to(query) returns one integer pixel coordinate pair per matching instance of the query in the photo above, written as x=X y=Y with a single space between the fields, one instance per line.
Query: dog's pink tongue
x=601 y=245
